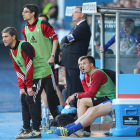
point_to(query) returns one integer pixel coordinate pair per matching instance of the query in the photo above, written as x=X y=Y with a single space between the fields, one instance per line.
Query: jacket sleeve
x=109 y=43
x=23 y=32
x=86 y=88
x=78 y=33
x=48 y=31
x=97 y=79
x=28 y=53
x=20 y=75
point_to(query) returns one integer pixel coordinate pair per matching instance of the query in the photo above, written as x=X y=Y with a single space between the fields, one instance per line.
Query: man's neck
x=91 y=71
x=13 y=44
x=80 y=21
x=31 y=21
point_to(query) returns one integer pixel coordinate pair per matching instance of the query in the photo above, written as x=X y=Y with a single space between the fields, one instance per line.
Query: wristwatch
x=75 y=95
x=52 y=55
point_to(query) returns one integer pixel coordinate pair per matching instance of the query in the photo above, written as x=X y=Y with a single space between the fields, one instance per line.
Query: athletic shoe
x=87 y=134
x=53 y=128
x=81 y=133
x=22 y=134
x=62 y=132
x=33 y=134
x=108 y=134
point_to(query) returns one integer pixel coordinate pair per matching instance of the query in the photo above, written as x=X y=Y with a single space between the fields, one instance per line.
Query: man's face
x=76 y=15
x=7 y=39
x=27 y=15
x=128 y=28
x=86 y=66
x=80 y=65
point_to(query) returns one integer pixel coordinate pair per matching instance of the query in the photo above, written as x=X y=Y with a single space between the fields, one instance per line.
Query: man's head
x=43 y=17
x=9 y=36
x=80 y=63
x=30 y=11
x=128 y=26
x=88 y=64
x=78 y=15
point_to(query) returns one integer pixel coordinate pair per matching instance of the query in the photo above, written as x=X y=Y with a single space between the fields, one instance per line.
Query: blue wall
x=68 y=20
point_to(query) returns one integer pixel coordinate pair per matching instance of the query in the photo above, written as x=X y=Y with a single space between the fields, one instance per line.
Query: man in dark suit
x=75 y=45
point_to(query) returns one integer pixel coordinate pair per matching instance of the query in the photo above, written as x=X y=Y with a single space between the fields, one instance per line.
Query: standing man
x=40 y=35
x=29 y=66
x=76 y=45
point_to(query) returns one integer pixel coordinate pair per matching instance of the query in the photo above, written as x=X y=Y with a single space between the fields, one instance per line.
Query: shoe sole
x=78 y=135
x=39 y=136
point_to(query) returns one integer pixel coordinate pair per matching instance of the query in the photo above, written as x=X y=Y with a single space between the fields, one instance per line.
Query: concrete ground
x=11 y=123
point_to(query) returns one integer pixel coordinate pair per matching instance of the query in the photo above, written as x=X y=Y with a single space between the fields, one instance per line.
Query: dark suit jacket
x=79 y=46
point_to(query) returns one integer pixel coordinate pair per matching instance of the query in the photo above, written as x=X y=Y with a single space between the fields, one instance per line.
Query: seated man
x=130 y=36
x=101 y=87
x=86 y=119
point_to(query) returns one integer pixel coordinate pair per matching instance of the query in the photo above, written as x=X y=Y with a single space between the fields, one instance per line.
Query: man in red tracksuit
x=40 y=35
x=32 y=78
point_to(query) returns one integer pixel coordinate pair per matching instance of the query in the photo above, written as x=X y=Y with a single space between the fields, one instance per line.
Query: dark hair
x=32 y=8
x=109 y=51
x=80 y=7
x=90 y=59
x=129 y=22
x=11 y=30
x=43 y=15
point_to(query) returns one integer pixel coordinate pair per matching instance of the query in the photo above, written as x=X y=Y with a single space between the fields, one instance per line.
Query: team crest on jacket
x=70 y=38
x=33 y=40
x=19 y=64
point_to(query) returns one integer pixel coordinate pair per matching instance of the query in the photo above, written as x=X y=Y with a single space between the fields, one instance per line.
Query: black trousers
x=30 y=104
x=52 y=98
x=73 y=82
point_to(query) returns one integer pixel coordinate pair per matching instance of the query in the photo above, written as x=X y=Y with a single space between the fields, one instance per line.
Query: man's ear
x=82 y=15
x=14 y=37
x=91 y=65
x=33 y=13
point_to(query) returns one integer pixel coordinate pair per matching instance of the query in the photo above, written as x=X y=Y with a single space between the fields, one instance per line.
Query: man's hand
x=30 y=92
x=71 y=99
x=82 y=76
x=51 y=60
x=101 y=49
x=22 y=91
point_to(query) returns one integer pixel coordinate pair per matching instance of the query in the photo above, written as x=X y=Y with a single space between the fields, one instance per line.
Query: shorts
x=107 y=101
x=99 y=100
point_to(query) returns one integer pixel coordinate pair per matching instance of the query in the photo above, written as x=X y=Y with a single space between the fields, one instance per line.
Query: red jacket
x=46 y=28
x=28 y=53
x=98 y=78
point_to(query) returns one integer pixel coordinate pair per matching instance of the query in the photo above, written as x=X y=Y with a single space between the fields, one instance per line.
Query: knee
x=30 y=101
x=82 y=102
x=93 y=111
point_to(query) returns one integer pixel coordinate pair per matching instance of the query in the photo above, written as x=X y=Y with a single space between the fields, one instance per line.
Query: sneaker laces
x=64 y=132
x=24 y=131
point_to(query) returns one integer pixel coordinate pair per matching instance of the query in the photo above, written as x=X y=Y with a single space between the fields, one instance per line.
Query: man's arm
x=20 y=74
x=49 y=32
x=77 y=34
x=97 y=79
x=20 y=77
x=108 y=44
x=28 y=53
x=54 y=48
x=23 y=32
